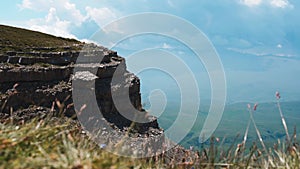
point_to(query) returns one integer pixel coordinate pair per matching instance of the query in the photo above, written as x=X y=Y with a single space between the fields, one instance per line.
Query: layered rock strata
x=42 y=78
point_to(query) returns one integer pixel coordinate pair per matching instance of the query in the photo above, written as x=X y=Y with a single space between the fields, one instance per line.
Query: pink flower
x=277 y=95
x=240 y=145
x=249 y=106
x=255 y=106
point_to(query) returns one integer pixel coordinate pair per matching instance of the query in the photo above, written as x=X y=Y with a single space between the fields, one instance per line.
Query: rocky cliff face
x=36 y=79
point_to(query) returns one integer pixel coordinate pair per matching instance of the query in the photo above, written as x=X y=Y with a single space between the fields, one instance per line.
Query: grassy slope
x=61 y=143
x=56 y=144
x=17 y=39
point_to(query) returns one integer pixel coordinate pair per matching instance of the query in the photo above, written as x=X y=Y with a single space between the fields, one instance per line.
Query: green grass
x=49 y=143
x=61 y=143
x=21 y=40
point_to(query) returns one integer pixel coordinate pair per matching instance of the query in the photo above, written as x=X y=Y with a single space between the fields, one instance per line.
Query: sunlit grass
x=54 y=142
x=20 y=40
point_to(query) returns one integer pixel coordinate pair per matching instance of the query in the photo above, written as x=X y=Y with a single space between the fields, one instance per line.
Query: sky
x=257 y=40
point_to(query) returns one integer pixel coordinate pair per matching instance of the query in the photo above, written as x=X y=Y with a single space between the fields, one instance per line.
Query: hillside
x=38 y=74
x=22 y=40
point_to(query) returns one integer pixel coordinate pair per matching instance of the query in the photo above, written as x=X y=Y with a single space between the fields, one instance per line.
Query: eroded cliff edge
x=36 y=75
x=36 y=72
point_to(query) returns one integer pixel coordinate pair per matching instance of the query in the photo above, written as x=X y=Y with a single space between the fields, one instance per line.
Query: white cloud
x=280 y=3
x=26 y=4
x=101 y=16
x=37 y=5
x=266 y=52
x=90 y=41
x=251 y=2
x=63 y=15
x=73 y=13
x=104 y=16
x=272 y=3
x=279 y=46
x=64 y=9
x=68 y=11
x=51 y=24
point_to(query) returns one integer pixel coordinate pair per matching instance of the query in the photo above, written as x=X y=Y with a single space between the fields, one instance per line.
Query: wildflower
x=217 y=139
x=257 y=131
x=255 y=106
x=249 y=106
x=282 y=117
x=240 y=145
x=239 y=148
x=259 y=153
x=277 y=95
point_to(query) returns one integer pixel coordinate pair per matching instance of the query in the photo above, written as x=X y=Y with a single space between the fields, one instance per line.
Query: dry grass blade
x=257 y=131
x=283 y=122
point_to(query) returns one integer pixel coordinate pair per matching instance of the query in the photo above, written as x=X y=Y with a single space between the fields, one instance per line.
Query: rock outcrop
x=37 y=78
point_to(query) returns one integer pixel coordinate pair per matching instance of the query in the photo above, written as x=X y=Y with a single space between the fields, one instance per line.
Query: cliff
x=36 y=72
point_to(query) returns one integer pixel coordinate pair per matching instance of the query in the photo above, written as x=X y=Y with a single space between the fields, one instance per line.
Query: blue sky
x=257 y=40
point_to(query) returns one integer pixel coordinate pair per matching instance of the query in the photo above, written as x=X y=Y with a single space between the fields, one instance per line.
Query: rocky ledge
x=37 y=79
x=37 y=74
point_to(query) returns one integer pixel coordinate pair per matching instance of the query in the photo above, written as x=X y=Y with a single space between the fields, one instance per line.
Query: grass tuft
x=54 y=142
